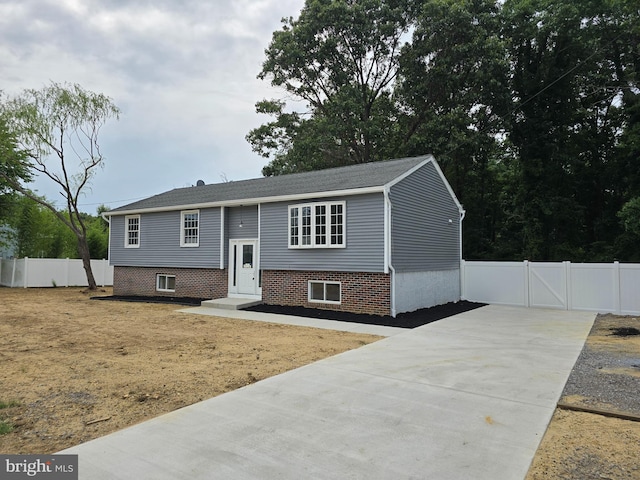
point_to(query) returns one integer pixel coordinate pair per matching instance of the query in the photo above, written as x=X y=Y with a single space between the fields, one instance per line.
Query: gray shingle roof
x=375 y=174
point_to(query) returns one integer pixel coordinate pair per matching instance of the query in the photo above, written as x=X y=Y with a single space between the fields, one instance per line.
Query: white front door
x=243 y=274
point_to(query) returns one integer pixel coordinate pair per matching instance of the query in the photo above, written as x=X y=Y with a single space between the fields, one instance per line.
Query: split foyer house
x=380 y=238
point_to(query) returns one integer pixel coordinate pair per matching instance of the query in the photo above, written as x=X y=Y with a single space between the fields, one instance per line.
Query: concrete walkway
x=467 y=397
x=298 y=321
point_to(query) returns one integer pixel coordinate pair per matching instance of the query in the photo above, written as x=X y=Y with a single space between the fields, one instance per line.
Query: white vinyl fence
x=50 y=272
x=601 y=287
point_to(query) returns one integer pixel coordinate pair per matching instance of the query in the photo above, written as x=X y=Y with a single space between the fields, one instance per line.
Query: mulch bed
x=187 y=301
x=403 y=320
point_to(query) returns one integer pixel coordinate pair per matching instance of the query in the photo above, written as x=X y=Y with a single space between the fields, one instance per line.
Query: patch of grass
x=9 y=404
x=5 y=427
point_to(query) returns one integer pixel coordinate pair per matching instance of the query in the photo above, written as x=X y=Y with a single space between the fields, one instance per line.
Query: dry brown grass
x=81 y=368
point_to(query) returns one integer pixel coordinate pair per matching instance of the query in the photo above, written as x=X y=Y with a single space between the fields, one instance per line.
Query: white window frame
x=183 y=243
x=127 y=244
x=166 y=276
x=296 y=220
x=324 y=300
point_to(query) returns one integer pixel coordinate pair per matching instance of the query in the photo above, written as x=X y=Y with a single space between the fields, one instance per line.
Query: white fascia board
x=254 y=201
x=448 y=185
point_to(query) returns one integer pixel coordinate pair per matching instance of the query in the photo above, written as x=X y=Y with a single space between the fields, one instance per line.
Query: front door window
x=242 y=262
x=247 y=256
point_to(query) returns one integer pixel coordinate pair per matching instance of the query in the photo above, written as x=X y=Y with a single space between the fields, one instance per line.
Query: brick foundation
x=361 y=292
x=190 y=282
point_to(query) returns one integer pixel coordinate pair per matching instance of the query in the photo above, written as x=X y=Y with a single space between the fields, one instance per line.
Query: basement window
x=165 y=283
x=325 y=292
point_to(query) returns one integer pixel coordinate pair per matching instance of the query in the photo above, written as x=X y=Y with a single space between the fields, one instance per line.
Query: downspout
x=107 y=218
x=258 y=259
x=388 y=267
x=222 y=243
x=462 y=215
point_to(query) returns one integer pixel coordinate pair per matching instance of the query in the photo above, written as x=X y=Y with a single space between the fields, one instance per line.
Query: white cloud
x=183 y=73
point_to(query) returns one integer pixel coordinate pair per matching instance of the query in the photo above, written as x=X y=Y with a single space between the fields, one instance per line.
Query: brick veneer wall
x=190 y=282
x=361 y=292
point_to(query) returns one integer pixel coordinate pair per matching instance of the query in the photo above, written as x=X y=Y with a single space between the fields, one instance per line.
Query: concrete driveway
x=467 y=397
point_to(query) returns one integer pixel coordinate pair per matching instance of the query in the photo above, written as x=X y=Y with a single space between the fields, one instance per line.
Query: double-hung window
x=317 y=225
x=190 y=228
x=132 y=231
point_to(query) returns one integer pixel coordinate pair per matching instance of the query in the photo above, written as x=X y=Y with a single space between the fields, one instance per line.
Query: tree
x=532 y=108
x=12 y=166
x=574 y=77
x=454 y=91
x=340 y=59
x=57 y=128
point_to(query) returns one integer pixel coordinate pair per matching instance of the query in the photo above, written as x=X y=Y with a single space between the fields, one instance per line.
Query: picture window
x=317 y=225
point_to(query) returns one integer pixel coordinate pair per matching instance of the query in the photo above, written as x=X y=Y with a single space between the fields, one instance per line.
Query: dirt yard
x=605 y=379
x=74 y=369
x=79 y=368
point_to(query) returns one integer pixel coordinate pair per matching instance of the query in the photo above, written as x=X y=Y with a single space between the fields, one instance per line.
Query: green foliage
x=13 y=168
x=39 y=233
x=97 y=239
x=532 y=108
x=630 y=216
x=571 y=67
x=340 y=59
x=454 y=91
x=5 y=425
x=57 y=128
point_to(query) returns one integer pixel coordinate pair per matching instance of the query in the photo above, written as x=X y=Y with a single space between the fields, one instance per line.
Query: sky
x=182 y=72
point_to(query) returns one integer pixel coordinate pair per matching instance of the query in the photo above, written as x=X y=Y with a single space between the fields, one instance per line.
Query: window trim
x=296 y=210
x=127 y=231
x=166 y=276
x=324 y=283
x=183 y=213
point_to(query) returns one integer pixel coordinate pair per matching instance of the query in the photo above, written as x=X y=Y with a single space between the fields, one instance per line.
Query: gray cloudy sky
x=182 y=72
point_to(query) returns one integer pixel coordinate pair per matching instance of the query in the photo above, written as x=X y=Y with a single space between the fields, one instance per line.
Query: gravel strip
x=592 y=377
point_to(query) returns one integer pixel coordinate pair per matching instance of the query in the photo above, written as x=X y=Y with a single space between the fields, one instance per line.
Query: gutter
x=252 y=201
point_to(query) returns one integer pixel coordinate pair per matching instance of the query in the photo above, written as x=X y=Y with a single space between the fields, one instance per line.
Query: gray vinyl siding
x=160 y=242
x=249 y=217
x=364 y=251
x=232 y=217
x=422 y=238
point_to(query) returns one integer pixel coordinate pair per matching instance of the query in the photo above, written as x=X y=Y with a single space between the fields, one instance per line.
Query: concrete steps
x=231 y=303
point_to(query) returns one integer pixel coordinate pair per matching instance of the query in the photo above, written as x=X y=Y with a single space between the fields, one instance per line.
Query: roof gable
x=342 y=179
